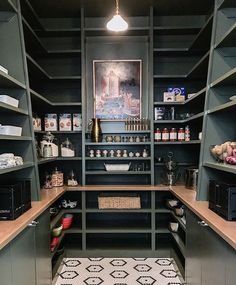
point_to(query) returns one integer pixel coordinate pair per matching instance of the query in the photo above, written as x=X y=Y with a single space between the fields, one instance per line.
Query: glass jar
x=57 y=178
x=72 y=181
x=49 y=139
x=67 y=149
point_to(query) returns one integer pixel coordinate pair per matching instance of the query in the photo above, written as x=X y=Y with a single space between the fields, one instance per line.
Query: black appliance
x=15 y=199
x=222 y=199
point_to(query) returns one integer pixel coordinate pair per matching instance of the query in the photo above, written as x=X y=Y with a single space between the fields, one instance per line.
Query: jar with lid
x=49 y=139
x=57 y=178
x=67 y=149
x=157 y=135
x=173 y=135
x=72 y=181
x=181 y=135
x=165 y=135
x=47 y=181
x=47 y=150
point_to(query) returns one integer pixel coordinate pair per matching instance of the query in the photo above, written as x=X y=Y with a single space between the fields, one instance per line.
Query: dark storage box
x=15 y=199
x=222 y=199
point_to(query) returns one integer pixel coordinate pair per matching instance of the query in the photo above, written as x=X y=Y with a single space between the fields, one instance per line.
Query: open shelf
x=194 y=97
x=229 y=106
x=104 y=172
x=179 y=243
x=7 y=81
x=228 y=78
x=204 y=36
x=58 y=132
x=228 y=39
x=33 y=42
x=118 y=158
x=176 y=30
x=185 y=143
x=200 y=69
x=7 y=6
x=6 y=108
x=16 y=168
x=179 y=220
x=117 y=143
x=47 y=160
x=227 y=4
x=15 y=138
x=221 y=166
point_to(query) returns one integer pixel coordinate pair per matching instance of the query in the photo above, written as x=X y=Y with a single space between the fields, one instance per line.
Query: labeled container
x=65 y=122
x=10 y=131
x=165 y=135
x=9 y=100
x=77 y=122
x=50 y=122
x=157 y=135
x=173 y=135
x=181 y=135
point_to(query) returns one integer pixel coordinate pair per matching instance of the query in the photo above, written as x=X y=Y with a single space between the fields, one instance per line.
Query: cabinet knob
x=202 y=223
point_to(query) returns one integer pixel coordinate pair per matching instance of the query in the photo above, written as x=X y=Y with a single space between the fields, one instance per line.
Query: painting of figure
x=117 y=89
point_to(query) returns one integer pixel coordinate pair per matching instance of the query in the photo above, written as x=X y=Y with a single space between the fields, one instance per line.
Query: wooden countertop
x=10 y=229
x=227 y=230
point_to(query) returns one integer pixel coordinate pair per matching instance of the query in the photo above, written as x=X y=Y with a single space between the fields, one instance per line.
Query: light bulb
x=117 y=24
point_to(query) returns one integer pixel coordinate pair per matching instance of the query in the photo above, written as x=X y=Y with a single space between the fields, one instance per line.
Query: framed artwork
x=117 y=89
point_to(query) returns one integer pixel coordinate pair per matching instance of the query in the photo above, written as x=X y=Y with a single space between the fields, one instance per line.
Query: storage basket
x=119 y=201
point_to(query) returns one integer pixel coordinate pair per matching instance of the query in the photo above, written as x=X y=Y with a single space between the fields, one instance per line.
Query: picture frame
x=117 y=89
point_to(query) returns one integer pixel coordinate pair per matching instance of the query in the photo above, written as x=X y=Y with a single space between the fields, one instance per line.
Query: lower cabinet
x=209 y=259
x=26 y=260
x=5 y=266
x=23 y=258
x=43 y=252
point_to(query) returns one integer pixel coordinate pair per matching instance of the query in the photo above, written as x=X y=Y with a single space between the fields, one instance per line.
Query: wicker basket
x=119 y=202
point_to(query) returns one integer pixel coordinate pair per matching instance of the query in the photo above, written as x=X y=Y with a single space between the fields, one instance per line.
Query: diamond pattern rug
x=117 y=271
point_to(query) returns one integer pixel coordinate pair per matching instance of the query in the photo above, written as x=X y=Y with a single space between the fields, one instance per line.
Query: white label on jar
x=173 y=136
x=157 y=136
x=181 y=136
x=165 y=136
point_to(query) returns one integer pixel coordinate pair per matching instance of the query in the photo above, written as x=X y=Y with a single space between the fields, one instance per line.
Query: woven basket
x=119 y=202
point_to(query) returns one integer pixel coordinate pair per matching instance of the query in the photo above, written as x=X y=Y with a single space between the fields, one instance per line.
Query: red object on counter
x=54 y=243
x=67 y=221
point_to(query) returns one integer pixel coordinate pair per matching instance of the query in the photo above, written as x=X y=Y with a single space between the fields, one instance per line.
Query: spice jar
x=67 y=149
x=157 y=135
x=57 y=178
x=181 y=135
x=165 y=135
x=173 y=135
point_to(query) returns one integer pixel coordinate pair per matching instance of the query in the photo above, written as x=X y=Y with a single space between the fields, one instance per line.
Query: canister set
x=117 y=153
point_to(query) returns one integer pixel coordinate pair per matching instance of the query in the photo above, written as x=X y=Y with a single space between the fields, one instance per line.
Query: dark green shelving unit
x=219 y=109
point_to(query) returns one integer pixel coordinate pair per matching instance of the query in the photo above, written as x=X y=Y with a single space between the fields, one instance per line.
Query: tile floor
x=118 y=271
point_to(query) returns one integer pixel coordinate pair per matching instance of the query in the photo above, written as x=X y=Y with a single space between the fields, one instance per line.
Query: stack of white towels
x=8 y=160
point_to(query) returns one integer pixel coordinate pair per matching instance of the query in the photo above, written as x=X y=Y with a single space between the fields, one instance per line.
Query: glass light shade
x=117 y=24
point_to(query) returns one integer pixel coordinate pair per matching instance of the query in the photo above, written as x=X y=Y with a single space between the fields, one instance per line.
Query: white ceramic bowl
x=174 y=227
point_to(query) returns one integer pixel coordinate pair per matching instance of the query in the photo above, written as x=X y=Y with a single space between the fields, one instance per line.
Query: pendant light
x=117 y=23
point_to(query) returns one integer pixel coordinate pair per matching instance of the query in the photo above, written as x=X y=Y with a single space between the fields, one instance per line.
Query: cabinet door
x=23 y=258
x=231 y=267
x=43 y=253
x=214 y=258
x=5 y=266
x=193 y=250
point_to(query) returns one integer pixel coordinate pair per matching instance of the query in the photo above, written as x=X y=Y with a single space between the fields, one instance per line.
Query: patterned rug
x=118 y=271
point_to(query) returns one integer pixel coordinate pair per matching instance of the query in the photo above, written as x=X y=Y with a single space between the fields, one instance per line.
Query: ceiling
x=96 y=8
